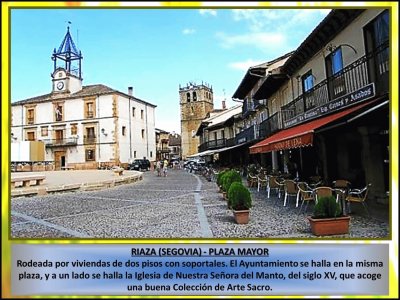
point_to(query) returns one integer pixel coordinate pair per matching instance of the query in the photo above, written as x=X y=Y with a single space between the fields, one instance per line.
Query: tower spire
x=69 y=54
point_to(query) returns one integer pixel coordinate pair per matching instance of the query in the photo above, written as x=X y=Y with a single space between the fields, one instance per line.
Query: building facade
x=84 y=127
x=196 y=101
x=334 y=106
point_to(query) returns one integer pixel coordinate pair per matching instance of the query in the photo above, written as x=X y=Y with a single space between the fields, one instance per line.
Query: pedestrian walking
x=158 y=167
x=165 y=168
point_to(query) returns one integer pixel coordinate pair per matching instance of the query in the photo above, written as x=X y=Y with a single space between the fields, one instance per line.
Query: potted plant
x=219 y=179
x=228 y=178
x=239 y=199
x=327 y=218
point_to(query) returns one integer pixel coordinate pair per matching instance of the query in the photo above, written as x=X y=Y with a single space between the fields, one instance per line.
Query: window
x=336 y=61
x=30 y=136
x=308 y=83
x=133 y=111
x=89 y=110
x=141 y=114
x=151 y=153
x=188 y=97
x=44 y=131
x=222 y=134
x=123 y=130
x=142 y=133
x=377 y=47
x=74 y=129
x=194 y=96
x=134 y=154
x=30 y=116
x=90 y=135
x=90 y=154
x=336 y=80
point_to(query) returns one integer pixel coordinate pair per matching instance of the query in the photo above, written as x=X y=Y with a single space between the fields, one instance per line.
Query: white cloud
x=261 y=40
x=205 y=12
x=279 y=19
x=187 y=31
x=244 y=65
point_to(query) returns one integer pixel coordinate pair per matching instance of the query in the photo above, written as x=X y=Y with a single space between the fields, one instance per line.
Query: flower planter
x=329 y=226
x=241 y=216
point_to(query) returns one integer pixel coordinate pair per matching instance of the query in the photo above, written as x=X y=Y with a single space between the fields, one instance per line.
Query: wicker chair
x=306 y=195
x=290 y=190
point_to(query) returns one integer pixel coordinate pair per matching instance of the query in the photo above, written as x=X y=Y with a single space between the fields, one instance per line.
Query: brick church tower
x=196 y=102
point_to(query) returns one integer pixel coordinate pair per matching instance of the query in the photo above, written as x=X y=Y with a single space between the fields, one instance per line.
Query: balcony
x=248 y=107
x=163 y=149
x=245 y=135
x=71 y=141
x=89 y=114
x=216 y=144
x=271 y=125
x=89 y=139
x=30 y=120
x=367 y=75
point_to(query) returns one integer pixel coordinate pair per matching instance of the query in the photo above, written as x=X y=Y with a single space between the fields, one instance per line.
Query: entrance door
x=59 y=159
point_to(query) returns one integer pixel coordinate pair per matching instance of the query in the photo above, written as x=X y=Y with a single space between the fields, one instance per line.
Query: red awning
x=298 y=136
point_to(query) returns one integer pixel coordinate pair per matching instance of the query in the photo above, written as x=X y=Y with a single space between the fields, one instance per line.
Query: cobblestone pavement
x=181 y=205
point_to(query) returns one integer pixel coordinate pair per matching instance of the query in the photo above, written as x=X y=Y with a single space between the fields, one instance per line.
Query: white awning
x=204 y=153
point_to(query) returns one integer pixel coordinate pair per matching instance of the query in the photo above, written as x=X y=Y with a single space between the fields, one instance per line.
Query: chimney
x=130 y=90
x=223 y=104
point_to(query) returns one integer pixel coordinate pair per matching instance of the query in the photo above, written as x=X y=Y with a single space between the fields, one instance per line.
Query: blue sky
x=155 y=50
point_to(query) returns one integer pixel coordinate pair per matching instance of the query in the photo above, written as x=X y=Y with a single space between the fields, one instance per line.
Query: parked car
x=139 y=164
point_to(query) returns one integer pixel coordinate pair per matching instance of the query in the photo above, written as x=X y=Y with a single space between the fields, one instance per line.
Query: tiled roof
x=89 y=90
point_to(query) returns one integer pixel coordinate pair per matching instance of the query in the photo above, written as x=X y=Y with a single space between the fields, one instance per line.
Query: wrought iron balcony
x=213 y=144
x=89 y=139
x=248 y=107
x=245 y=135
x=65 y=142
x=354 y=78
x=271 y=125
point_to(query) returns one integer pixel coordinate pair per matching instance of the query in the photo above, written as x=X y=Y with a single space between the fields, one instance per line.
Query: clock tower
x=67 y=73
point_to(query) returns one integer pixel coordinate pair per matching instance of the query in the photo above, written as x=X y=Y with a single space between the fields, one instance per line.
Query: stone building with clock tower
x=84 y=127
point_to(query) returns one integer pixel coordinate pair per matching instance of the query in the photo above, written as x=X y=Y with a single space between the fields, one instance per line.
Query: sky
x=155 y=50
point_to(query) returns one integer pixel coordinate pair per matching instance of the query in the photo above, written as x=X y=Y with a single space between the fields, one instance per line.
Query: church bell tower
x=196 y=101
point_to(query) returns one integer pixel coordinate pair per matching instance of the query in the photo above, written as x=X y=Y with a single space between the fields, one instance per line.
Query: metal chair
x=262 y=181
x=358 y=196
x=273 y=184
x=252 y=180
x=290 y=190
x=306 y=195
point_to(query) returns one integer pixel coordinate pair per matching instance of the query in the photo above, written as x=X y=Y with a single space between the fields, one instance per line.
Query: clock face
x=60 y=85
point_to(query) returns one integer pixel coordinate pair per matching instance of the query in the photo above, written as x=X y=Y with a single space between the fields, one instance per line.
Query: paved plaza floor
x=179 y=206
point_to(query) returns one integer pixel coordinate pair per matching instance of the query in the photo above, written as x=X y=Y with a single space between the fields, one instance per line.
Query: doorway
x=59 y=160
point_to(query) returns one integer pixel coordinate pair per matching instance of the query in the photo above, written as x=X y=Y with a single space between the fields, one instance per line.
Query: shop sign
x=358 y=96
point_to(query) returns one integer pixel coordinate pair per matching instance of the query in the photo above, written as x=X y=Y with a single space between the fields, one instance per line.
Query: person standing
x=165 y=168
x=158 y=167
